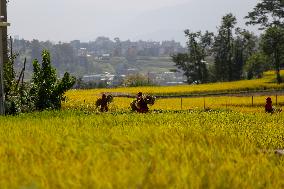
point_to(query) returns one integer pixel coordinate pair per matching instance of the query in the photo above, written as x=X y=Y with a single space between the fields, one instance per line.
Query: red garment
x=142 y=106
x=268 y=107
x=104 y=103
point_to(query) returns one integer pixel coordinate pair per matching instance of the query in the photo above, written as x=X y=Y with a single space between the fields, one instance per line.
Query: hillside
x=143 y=64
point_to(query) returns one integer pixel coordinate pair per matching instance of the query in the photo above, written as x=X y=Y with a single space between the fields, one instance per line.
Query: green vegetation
x=45 y=91
x=236 y=51
x=193 y=63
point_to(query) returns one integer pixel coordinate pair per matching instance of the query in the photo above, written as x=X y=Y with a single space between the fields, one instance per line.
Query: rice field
x=212 y=142
x=241 y=104
x=187 y=149
x=265 y=83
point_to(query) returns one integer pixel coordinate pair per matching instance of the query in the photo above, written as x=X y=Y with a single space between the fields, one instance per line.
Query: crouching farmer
x=268 y=106
x=140 y=104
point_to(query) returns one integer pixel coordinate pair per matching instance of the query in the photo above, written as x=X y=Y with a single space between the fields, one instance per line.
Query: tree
x=256 y=64
x=223 y=49
x=117 y=47
x=267 y=13
x=273 y=46
x=47 y=91
x=136 y=80
x=244 y=45
x=270 y=16
x=64 y=58
x=36 y=49
x=193 y=63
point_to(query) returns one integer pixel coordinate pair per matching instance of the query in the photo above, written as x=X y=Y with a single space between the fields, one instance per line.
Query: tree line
x=234 y=53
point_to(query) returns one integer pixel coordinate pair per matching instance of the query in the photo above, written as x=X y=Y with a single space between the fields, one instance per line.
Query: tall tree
x=273 y=46
x=223 y=49
x=193 y=63
x=256 y=64
x=267 y=13
x=244 y=46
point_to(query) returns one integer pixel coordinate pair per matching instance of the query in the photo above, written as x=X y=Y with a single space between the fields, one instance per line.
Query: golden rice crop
x=73 y=149
x=243 y=104
x=176 y=145
x=258 y=84
x=85 y=99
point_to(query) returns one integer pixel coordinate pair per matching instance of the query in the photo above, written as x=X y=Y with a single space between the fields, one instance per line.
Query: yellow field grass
x=265 y=83
x=211 y=142
x=73 y=149
x=243 y=104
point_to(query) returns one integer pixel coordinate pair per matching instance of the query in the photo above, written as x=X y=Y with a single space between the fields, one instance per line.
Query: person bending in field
x=104 y=104
x=268 y=106
x=141 y=103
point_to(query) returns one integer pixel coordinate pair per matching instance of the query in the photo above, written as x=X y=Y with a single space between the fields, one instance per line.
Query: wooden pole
x=276 y=100
x=4 y=31
x=181 y=103
x=2 y=93
x=251 y=100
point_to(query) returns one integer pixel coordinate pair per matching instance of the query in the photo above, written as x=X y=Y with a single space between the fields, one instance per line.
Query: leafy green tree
x=267 y=13
x=223 y=49
x=273 y=46
x=193 y=63
x=136 y=80
x=232 y=48
x=9 y=76
x=256 y=64
x=47 y=91
x=13 y=88
x=36 y=49
x=244 y=45
x=64 y=58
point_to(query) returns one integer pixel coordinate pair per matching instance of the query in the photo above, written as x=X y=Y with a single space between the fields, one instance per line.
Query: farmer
x=104 y=102
x=141 y=104
x=268 y=106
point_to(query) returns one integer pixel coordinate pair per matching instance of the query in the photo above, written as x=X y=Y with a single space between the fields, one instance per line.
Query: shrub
x=47 y=92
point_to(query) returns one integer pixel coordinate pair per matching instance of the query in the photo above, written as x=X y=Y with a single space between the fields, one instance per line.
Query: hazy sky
x=65 y=20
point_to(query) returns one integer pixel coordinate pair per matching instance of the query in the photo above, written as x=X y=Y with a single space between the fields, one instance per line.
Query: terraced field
x=212 y=142
x=85 y=99
x=265 y=83
x=72 y=149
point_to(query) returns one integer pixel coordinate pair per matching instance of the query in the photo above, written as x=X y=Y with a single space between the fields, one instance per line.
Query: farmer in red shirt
x=268 y=106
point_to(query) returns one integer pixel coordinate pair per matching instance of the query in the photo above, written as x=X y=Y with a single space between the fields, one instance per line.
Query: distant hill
x=170 y=22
